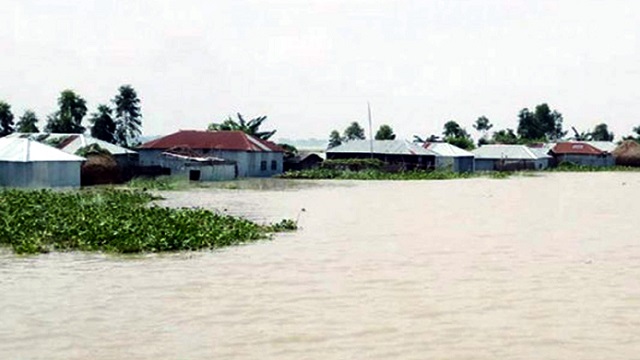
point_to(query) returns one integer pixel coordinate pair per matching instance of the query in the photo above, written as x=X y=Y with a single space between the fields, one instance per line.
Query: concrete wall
x=41 y=174
x=588 y=160
x=249 y=163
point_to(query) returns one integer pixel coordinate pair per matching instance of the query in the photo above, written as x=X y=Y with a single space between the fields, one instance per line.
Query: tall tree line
x=119 y=123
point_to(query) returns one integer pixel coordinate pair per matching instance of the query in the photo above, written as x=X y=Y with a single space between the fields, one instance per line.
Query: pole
x=370 y=130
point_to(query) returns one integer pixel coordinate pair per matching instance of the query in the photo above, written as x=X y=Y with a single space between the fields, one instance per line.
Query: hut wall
x=41 y=174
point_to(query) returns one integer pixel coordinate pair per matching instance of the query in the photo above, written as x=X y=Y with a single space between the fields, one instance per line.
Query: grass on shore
x=116 y=221
x=374 y=174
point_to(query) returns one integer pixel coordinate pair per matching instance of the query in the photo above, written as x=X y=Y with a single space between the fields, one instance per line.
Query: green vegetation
x=116 y=221
x=6 y=119
x=251 y=127
x=570 y=167
x=158 y=183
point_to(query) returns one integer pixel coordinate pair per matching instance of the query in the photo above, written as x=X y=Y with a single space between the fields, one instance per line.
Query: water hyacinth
x=116 y=221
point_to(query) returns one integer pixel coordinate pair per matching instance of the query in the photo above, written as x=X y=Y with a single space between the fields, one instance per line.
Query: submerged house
x=25 y=163
x=253 y=157
x=303 y=161
x=583 y=153
x=501 y=157
x=402 y=153
x=451 y=157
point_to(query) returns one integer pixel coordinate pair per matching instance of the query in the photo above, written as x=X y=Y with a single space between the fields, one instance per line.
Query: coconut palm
x=250 y=127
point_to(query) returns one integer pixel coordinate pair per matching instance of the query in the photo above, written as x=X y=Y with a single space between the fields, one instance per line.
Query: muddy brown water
x=541 y=267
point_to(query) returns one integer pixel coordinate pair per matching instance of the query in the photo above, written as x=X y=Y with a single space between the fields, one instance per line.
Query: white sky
x=311 y=66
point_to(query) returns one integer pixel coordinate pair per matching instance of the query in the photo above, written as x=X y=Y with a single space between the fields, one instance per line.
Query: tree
x=542 y=124
x=354 y=132
x=335 y=139
x=251 y=127
x=68 y=119
x=6 y=119
x=506 y=136
x=27 y=123
x=128 y=116
x=483 y=125
x=581 y=136
x=104 y=128
x=601 y=133
x=455 y=135
x=385 y=132
x=430 y=138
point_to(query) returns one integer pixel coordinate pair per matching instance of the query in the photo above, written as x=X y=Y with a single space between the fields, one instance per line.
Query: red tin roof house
x=581 y=153
x=254 y=157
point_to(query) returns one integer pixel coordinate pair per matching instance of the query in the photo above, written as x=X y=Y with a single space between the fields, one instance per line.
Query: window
x=263 y=165
x=274 y=165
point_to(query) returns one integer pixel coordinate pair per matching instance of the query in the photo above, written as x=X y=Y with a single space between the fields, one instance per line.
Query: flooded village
x=319 y=180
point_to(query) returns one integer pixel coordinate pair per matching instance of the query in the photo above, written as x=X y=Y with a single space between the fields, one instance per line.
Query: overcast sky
x=311 y=66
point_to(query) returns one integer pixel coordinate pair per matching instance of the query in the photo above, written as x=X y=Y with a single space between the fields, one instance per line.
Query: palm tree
x=250 y=127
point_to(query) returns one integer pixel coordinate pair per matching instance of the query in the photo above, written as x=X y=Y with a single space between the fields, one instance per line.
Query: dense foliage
x=6 y=119
x=103 y=126
x=68 y=118
x=385 y=132
x=128 y=116
x=27 y=122
x=116 y=221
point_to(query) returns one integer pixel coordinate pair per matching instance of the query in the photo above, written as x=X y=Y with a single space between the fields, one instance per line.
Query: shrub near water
x=115 y=221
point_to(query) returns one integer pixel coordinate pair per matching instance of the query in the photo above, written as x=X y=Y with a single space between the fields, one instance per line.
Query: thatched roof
x=627 y=153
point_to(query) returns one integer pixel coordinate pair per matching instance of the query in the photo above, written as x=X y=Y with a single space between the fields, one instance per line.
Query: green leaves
x=116 y=221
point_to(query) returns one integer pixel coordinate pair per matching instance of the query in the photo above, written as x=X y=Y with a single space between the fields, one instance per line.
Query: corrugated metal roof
x=70 y=143
x=15 y=149
x=607 y=146
x=579 y=148
x=212 y=140
x=390 y=147
x=500 y=151
x=447 y=150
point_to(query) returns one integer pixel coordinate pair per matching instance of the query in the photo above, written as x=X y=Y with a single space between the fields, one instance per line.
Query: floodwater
x=543 y=267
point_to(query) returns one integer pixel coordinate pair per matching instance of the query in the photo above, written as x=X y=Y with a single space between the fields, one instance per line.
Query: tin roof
x=447 y=150
x=390 y=147
x=212 y=140
x=70 y=143
x=501 y=151
x=579 y=148
x=15 y=149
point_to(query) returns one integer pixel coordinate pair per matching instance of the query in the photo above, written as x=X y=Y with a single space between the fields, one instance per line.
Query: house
x=25 y=163
x=403 y=153
x=254 y=157
x=303 y=161
x=451 y=157
x=501 y=157
x=582 y=153
x=71 y=143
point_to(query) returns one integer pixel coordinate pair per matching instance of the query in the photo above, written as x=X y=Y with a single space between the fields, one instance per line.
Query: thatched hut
x=627 y=153
x=100 y=167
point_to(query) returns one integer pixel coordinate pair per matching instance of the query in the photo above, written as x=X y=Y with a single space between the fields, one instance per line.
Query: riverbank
x=117 y=221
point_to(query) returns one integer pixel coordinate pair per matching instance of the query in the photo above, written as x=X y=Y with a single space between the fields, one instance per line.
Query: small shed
x=25 y=163
x=502 y=157
x=451 y=157
x=198 y=168
x=303 y=161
